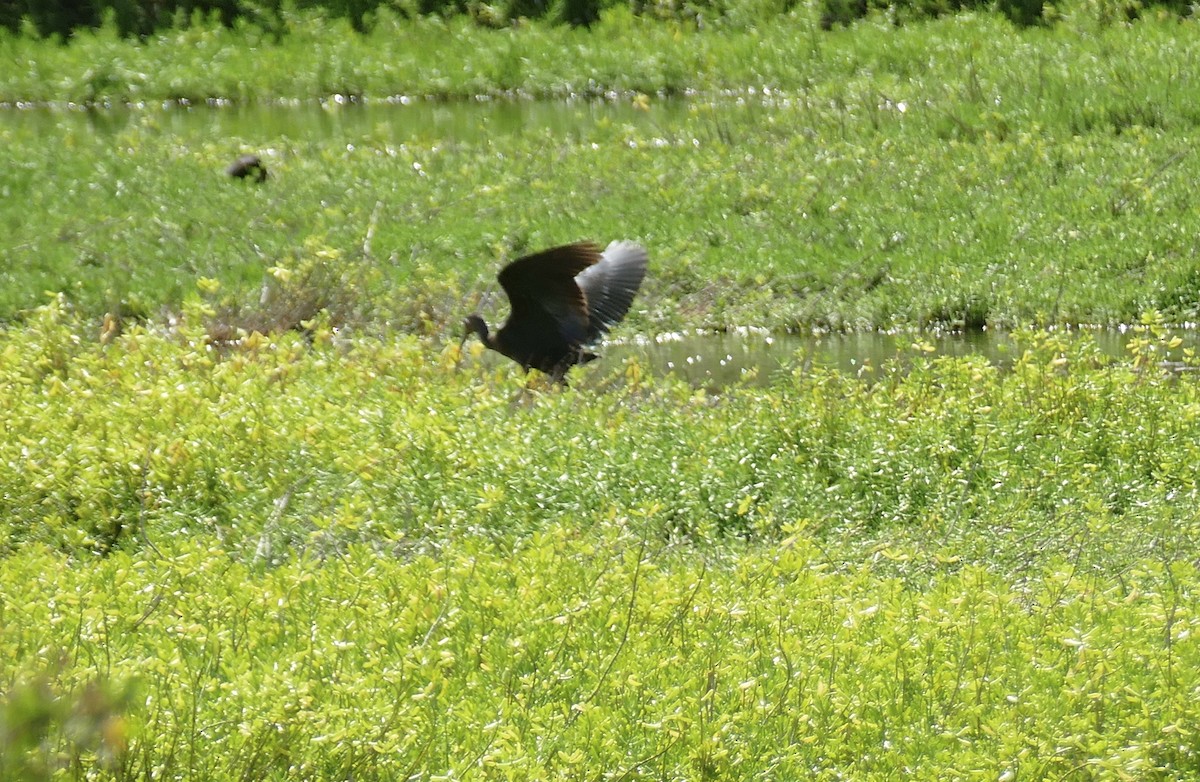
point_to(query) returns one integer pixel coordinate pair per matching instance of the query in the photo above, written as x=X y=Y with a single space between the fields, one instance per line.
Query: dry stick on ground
x=264 y=549
x=374 y=220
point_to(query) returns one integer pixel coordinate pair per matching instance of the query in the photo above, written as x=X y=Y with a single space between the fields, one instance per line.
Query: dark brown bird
x=563 y=300
x=247 y=165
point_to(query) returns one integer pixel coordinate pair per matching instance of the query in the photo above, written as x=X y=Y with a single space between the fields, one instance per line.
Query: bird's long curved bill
x=462 y=343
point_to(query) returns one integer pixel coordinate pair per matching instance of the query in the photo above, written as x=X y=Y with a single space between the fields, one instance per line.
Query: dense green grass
x=1080 y=59
x=352 y=553
x=957 y=174
x=356 y=560
x=599 y=656
x=152 y=435
x=319 y=58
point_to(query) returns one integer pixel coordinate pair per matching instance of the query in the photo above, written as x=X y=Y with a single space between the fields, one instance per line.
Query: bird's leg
x=524 y=397
x=558 y=374
x=528 y=392
x=462 y=344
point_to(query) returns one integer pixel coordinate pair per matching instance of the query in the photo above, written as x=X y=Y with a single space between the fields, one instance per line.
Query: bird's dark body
x=536 y=345
x=247 y=166
x=563 y=300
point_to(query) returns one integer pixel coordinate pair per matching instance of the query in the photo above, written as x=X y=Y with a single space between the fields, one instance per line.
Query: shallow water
x=715 y=361
x=399 y=121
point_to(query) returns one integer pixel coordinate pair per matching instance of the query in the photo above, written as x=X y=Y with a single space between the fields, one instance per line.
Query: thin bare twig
x=637 y=571
x=366 y=245
x=648 y=759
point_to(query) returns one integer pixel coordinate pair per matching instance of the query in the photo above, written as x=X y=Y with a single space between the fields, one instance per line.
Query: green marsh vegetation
x=259 y=521
x=323 y=560
x=959 y=172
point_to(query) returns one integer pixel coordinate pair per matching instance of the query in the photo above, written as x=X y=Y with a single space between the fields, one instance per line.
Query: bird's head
x=473 y=324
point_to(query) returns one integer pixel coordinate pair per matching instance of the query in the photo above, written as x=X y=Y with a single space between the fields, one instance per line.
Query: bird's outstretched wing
x=610 y=284
x=543 y=291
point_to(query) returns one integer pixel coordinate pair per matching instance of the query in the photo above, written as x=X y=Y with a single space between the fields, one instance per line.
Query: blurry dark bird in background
x=247 y=166
x=563 y=300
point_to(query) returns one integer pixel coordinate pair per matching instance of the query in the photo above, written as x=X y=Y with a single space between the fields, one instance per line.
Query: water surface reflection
x=395 y=121
x=718 y=360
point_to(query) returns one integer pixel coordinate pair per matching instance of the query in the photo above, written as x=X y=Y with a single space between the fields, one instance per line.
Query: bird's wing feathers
x=610 y=284
x=544 y=284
